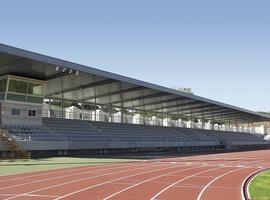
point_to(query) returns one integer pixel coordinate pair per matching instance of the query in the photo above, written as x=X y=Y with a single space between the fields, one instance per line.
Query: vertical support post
x=212 y=121
x=50 y=106
x=191 y=117
x=121 y=111
x=162 y=115
x=143 y=109
x=62 y=98
x=7 y=86
x=203 y=120
x=177 y=117
x=182 y=117
x=221 y=122
x=143 y=114
x=95 y=104
x=132 y=116
x=122 y=114
x=110 y=113
x=83 y=102
x=83 y=111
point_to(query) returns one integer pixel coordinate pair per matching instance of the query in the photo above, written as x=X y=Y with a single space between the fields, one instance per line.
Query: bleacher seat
x=79 y=130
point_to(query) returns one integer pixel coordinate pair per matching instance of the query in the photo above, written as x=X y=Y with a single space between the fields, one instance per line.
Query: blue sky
x=219 y=48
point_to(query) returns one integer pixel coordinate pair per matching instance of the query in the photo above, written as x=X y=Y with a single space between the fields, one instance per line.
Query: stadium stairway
x=12 y=145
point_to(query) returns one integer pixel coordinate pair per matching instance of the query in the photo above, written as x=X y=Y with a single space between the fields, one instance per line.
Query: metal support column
x=121 y=110
x=62 y=98
x=162 y=111
x=122 y=114
x=143 y=109
x=95 y=104
x=177 y=117
x=203 y=121
x=191 y=118
x=50 y=106
x=212 y=120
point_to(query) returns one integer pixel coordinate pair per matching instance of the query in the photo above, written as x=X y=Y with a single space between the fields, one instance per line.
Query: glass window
x=15 y=111
x=15 y=97
x=18 y=86
x=35 y=89
x=32 y=113
x=32 y=99
x=2 y=95
x=3 y=85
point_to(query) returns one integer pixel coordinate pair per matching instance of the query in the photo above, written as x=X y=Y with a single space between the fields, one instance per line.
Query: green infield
x=19 y=166
x=259 y=187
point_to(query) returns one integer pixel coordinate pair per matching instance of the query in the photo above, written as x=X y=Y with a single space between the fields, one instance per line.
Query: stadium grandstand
x=54 y=107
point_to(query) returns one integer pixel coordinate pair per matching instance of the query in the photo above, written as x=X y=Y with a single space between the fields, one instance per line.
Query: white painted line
x=243 y=184
x=63 y=170
x=179 y=181
x=148 y=180
x=31 y=195
x=201 y=193
x=84 y=189
x=88 y=178
x=64 y=176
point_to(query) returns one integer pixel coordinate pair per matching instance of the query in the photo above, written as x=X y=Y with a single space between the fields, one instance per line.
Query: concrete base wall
x=65 y=145
x=23 y=119
x=62 y=148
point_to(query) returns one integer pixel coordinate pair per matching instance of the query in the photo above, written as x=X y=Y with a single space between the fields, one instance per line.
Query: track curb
x=246 y=183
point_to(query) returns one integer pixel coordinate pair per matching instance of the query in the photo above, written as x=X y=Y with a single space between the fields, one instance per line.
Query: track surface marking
x=198 y=177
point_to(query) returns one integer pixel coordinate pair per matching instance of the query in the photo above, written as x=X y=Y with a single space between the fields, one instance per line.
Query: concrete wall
x=23 y=119
x=106 y=144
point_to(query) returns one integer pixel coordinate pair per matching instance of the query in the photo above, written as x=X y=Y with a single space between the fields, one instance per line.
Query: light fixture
x=57 y=68
x=64 y=69
x=70 y=71
x=77 y=73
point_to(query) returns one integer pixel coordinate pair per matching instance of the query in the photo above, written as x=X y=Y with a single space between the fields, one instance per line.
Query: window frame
x=16 y=113
x=31 y=111
x=25 y=97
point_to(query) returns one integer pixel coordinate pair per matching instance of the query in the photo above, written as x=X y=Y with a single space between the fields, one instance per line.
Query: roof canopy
x=75 y=82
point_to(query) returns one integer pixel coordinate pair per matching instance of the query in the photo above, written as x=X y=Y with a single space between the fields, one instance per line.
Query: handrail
x=11 y=143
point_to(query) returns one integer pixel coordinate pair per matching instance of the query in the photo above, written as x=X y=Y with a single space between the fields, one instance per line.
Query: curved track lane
x=200 y=177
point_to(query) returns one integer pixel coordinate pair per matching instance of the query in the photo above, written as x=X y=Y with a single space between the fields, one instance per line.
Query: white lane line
x=242 y=189
x=64 y=176
x=181 y=180
x=88 y=178
x=81 y=168
x=31 y=195
x=202 y=191
x=243 y=183
x=148 y=180
x=239 y=166
x=63 y=170
x=125 y=177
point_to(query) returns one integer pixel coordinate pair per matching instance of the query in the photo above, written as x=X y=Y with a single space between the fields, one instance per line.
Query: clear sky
x=219 y=48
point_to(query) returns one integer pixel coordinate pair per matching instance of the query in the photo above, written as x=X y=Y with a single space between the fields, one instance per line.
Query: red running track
x=201 y=177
